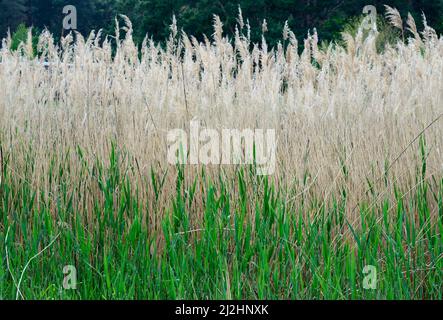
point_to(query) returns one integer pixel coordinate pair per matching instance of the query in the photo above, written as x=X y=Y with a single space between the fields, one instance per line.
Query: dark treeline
x=153 y=17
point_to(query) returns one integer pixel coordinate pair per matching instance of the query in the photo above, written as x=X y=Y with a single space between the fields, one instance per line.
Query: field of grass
x=249 y=242
x=85 y=180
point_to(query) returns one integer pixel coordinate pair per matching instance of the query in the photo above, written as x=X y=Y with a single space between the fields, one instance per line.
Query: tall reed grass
x=358 y=181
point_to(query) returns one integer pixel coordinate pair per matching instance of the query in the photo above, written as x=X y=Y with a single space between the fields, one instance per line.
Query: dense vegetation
x=153 y=17
x=251 y=243
x=85 y=180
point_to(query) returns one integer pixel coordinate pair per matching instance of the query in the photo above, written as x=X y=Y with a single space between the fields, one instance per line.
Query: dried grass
x=355 y=109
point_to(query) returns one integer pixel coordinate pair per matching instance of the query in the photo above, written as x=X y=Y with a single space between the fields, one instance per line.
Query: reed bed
x=358 y=180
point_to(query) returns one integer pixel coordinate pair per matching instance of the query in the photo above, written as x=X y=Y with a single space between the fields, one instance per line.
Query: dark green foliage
x=153 y=17
x=12 y=13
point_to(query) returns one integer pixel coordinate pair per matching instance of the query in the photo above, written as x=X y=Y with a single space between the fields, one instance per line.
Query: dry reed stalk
x=358 y=109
